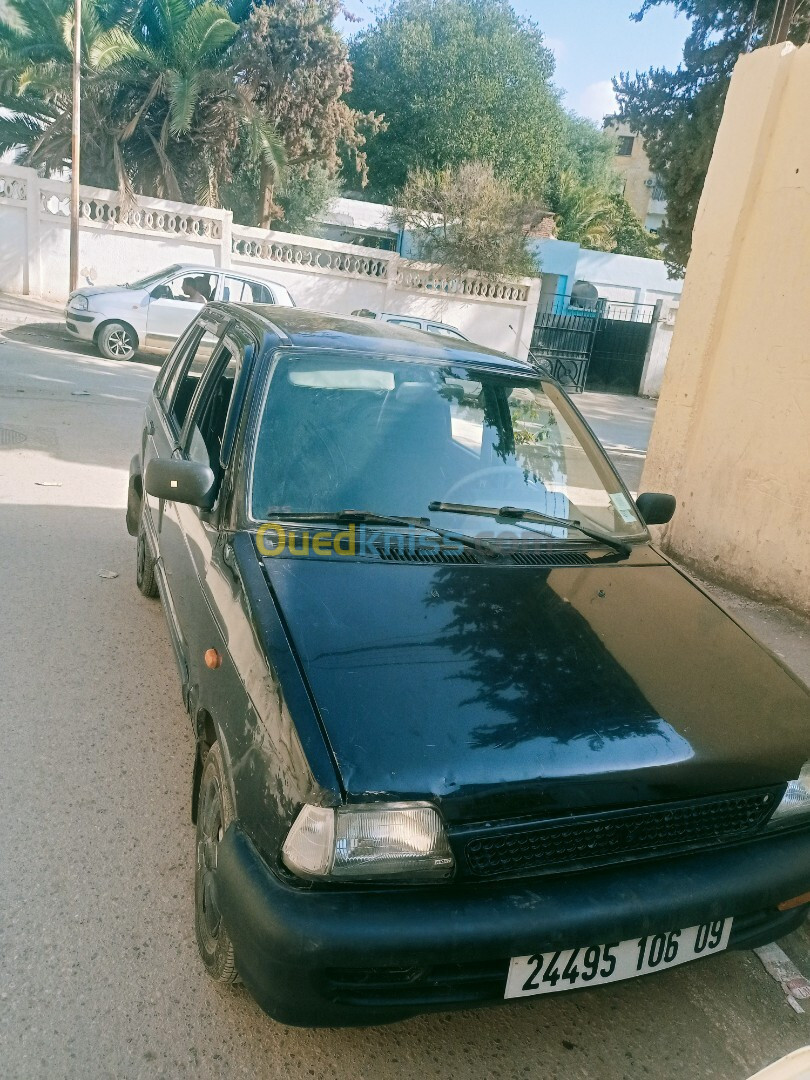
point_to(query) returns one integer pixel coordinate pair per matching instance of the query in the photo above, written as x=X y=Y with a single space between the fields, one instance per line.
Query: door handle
x=150 y=427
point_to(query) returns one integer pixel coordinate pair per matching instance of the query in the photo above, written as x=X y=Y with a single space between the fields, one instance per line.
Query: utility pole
x=75 y=149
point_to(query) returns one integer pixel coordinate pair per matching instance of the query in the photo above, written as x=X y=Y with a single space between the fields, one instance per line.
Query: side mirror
x=161 y=292
x=181 y=481
x=655 y=507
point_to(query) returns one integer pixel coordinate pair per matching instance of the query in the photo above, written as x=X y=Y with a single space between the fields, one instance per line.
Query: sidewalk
x=22 y=310
x=30 y=321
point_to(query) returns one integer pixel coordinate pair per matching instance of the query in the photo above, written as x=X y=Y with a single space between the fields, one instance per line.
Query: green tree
x=457 y=81
x=584 y=212
x=588 y=154
x=466 y=218
x=597 y=216
x=163 y=110
x=629 y=235
x=295 y=66
x=677 y=113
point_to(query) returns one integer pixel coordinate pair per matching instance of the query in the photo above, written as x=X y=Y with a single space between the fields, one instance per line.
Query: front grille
x=616 y=835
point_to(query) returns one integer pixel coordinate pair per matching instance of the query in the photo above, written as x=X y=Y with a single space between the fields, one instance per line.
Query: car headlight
x=369 y=843
x=79 y=302
x=796 y=800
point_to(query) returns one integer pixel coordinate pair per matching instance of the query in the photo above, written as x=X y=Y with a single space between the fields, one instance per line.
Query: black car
x=463 y=734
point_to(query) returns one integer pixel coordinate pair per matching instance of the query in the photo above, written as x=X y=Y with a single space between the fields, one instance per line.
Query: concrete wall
x=732 y=433
x=123 y=243
x=616 y=277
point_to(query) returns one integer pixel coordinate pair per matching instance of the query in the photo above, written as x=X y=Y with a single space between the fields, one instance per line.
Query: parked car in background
x=463 y=734
x=412 y=322
x=154 y=311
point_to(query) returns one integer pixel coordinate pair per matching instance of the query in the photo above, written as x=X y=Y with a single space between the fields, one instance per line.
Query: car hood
x=103 y=290
x=508 y=690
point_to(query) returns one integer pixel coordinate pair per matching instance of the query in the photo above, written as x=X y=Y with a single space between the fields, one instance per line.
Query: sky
x=593 y=40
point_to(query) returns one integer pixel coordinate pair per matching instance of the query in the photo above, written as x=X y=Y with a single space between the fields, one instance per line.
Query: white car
x=413 y=322
x=154 y=311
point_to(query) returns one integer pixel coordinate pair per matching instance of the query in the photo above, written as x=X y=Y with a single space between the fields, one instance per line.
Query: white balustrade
x=106 y=209
x=248 y=245
x=13 y=188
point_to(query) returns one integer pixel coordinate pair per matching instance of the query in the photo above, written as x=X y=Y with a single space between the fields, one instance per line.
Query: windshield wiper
x=517 y=513
x=368 y=517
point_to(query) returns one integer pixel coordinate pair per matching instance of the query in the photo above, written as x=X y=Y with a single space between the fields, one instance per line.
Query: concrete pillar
x=733 y=424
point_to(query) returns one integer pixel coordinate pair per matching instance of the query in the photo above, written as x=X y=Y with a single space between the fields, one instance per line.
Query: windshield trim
x=595 y=452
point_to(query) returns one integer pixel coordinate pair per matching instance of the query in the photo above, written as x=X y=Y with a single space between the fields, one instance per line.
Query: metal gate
x=620 y=346
x=562 y=340
x=595 y=348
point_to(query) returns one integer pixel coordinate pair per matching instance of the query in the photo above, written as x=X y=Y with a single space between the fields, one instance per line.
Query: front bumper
x=347 y=956
x=82 y=324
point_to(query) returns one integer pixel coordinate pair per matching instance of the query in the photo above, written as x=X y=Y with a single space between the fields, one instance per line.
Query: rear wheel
x=117 y=341
x=215 y=812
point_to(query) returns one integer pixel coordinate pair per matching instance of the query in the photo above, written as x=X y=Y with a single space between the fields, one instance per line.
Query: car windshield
x=151 y=279
x=391 y=436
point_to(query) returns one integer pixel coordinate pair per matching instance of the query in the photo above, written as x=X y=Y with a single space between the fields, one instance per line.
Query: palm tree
x=162 y=108
x=585 y=214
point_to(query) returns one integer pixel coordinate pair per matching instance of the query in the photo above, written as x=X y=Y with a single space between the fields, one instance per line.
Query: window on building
x=624 y=147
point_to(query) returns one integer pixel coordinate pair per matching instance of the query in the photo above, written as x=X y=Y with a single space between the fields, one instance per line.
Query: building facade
x=641 y=186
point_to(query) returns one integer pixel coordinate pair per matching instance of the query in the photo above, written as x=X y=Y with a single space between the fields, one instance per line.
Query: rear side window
x=175 y=359
x=413 y=323
x=186 y=376
x=239 y=291
x=444 y=331
x=207 y=427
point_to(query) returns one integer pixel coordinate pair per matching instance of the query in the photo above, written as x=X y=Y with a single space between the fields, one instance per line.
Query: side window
x=208 y=422
x=261 y=293
x=191 y=287
x=175 y=359
x=233 y=289
x=238 y=291
x=444 y=331
x=413 y=323
x=186 y=377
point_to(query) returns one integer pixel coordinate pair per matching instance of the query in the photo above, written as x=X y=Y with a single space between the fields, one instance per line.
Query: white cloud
x=597 y=100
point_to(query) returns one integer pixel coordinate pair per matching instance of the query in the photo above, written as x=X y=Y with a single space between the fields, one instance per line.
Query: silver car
x=413 y=322
x=154 y=311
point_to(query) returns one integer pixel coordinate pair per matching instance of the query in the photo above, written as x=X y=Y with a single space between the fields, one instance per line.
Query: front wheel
x=117 y=341
x=215 y=812
x=145 y=564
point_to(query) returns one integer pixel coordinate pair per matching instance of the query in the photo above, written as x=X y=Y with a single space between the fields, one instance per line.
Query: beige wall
x=732 y=434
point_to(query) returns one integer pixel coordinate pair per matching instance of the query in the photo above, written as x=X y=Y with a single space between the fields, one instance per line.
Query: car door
x=171 y=309
x=175 y=389
x=196 y=557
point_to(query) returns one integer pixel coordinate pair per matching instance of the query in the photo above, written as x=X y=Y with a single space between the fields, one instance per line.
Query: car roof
x=184 y=268
x=305 y=329
x=416 y=318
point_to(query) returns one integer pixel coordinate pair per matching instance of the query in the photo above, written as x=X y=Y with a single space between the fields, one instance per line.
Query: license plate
x=571 y=969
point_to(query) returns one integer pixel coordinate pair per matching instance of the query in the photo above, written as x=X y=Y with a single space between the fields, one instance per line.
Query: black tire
x=214 y=813
x=145 y=564
x=117 y=341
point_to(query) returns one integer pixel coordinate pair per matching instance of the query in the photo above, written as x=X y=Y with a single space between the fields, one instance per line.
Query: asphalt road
x=98 y=969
